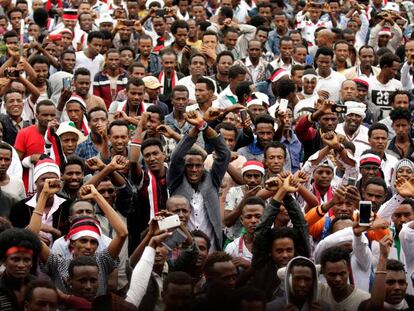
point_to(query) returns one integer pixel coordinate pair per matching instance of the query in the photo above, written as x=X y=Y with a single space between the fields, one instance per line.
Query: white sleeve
x=407 y=245
x=231 y=249
x=15 y=169
x=396 y=39
x=344 y=235
x=406 y=78
x=386 y=209
x=362 y=252
x=140 y=277
x=363 y=30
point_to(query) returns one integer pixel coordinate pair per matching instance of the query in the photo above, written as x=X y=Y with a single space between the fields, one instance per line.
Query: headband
x=18 y=249
x=309 y=76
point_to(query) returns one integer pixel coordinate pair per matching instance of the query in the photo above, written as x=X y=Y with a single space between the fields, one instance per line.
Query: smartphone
x=66 y=82
x=243 y=115
x=351 y=181
x=178 y=237
x=339 y=108
x=365 y=208
x=169 y=222
x=283 y=105
x=129 y=22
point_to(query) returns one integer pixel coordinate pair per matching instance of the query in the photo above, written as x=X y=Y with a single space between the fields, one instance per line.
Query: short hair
x=296 y=68
x=135 y=82
x=72 y=160
x=408 y=201
x=257 y=21
x=243 y=88
x=178 y=24
x=376 y=181
x=198 y=55
x=82 y=71
x=262 y=28
x=285 y=39
x=366 y=46
x=28 y=293
x=228 y=30
x=179 y=88
x=81 y=261
x=136 y=65
x=324 y=51
x=264 y=118
x=276 y=145
x=39 y=59
x=215 y=257
x=255 y=200
x=227 y=12
x=228 y=127
x=94 y=35
x=334 y=254
x=196 y=152
x=5 y=224
x=14 y=10
x=285 y=87
x=118 y=123
x=111 y=50
x=208 y=82
x=11 y=91
x=393 y=95
x=377 y=126
x=210 y=33
x=235 y=71
x=145 y=37
x=44 y=102
x=395 y=265
x=20 y=238
x=177 y=277
x=95 y=109
x=106 y=35
x=340 y=42
x=202 y=235
x=388 y=60
x=67 y=51
x=156 y=109
x=152 y=141
x=400 y=113
x=339 y=218
x=264 y=5
x=79 y=217
x=127 y=48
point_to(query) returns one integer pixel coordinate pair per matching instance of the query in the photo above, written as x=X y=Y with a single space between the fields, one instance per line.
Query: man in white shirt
x=227 y=97
x=90 y=58
x=352 y=127
x=328 y=79
x=382 y=86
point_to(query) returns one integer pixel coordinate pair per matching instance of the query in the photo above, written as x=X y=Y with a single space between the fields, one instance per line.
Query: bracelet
x=202 y=126
x=380 y=272
x=38 y=213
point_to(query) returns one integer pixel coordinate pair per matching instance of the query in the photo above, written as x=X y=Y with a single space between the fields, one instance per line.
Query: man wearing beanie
x=55 y=218
x=352 y=127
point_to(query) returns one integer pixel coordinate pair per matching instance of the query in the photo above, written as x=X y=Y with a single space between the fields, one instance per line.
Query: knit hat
x=253 y=165
x=356 y=108
x=327 y=163
x=404 y=163
x=361 y=82
x=385 y=32
x=369 y=158
x=45 y=166
x=278 y=74
x=309 y=74
x=84 y=227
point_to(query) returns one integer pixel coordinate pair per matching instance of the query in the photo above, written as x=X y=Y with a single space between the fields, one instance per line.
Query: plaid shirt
x=87 y=149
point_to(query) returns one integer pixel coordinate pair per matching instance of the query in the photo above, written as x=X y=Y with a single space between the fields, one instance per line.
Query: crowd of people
x=206 y=155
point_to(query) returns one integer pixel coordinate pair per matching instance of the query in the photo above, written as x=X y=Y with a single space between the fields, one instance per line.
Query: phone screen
x=365 y=212
x=177 y=238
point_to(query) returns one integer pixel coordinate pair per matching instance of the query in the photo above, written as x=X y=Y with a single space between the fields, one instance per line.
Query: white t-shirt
x=93 y=65
x=238 y=248
x=15 y=188
x=331 y=84
x=351 y=303
x=379 y=94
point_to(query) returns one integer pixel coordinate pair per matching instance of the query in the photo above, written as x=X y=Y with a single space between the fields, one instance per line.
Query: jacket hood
x=288 y=280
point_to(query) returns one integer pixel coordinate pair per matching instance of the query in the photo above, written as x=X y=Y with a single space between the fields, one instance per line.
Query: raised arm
x=89 y=192
x=50 y=187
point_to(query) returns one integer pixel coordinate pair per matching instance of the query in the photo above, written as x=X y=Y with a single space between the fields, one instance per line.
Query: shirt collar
x=57 y=201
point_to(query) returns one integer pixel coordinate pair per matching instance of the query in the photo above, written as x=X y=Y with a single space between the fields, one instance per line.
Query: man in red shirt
x=30 y=143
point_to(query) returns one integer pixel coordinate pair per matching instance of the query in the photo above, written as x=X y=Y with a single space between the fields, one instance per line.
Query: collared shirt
x=87 y=149
x=294 y=147
x=279 y=63
x=359 y=139
x=255 y=73
x=199 y=217
x=47 y=219
x=225 y=99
